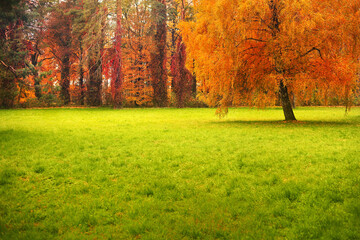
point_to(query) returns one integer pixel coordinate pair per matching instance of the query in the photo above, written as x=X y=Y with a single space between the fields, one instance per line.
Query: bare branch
x=312 y=49
x=12 y=70
x=48 y=58
x=254 y=39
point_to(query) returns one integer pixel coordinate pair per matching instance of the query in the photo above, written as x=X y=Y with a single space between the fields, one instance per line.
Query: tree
x=117 y=78
x=137 y=46
x=59 y=39
x=182 y=78
x=13 y=19
x=95 y=42
x=253 y=51
x=158 y=62
x=34 y=39
x=79 y=23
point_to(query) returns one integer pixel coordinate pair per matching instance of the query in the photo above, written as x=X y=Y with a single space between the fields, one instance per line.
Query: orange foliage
x=245 y=50
x=136 y=56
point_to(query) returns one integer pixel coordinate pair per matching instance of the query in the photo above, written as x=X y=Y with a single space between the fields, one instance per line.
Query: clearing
x=179 y=174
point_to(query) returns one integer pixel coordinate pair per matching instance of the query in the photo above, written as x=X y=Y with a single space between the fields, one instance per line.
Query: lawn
x=179 y=174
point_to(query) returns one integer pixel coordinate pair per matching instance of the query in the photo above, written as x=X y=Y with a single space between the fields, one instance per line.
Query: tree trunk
x=37 y=79
x=81 y=73
x=81 y=83
x=95 y=79
x=117 y=79
x=158 y=56
x=285 y=102
x=65 y=79
x=193 y=88
x=94 y=90
x=37 y=86
x=283 y=91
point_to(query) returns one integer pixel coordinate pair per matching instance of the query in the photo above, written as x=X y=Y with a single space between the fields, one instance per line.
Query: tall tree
x=79 y=23
x=35 y=41
x=117 y=79
x=182 y=78
x=252 y=51
x=137 y=43
x=158 y=67
x=59 y=39
x=13 y=18
x=95 y=37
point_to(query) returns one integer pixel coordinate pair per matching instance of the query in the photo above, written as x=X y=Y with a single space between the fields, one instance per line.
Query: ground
x=179 y=174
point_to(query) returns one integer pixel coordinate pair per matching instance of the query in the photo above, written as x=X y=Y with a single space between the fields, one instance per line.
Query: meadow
x=179 y=174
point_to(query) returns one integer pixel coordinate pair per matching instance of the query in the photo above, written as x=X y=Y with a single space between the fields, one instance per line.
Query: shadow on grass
x=285 y=123
x=10 y=134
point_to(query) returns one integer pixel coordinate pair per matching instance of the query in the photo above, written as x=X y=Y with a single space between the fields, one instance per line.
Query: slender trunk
x=65 y=79
x=81 y=83
x=193 y=88
x=275 y=9
x=95 y=63
x=81 y=74
x=95 y=79
x=37 y=79
x=285 y=102
x=65 y=41
x=117 y=81
x=173 y=48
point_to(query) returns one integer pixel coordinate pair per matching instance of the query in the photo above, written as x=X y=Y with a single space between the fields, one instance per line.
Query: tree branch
x=312 y=49
x=53 y=52
x=48 y=58
x=254 y=39
x=12 y=70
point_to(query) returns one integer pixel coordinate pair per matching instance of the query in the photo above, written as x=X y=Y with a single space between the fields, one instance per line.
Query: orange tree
x=253 y=52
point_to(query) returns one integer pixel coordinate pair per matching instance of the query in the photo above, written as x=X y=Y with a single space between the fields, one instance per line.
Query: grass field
x=179 y=174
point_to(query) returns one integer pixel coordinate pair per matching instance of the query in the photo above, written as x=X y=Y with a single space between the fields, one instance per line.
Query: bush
x=47 y=100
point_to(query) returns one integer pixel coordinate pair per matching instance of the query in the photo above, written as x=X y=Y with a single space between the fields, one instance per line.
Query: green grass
x=179 y=174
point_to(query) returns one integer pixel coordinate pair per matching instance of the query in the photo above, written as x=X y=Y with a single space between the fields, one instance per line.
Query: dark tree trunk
x=193 y=88
x=285 y=102
x=37 y=86
x=158 y=56
x=94 y=83
x=173 y=45
x=37 y=80
x=117 y=79
x=94 y=86
x=65 y=79
x=81 y=83
x=81 y=73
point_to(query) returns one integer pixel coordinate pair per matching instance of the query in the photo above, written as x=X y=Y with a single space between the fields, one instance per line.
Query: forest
x=134 y=53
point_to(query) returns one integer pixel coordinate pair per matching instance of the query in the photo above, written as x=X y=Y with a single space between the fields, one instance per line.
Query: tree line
x=172 y=52
x=90 y=52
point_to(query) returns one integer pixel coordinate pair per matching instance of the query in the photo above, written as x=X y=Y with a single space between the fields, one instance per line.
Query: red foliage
x=158 y=57
x=182 y=78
